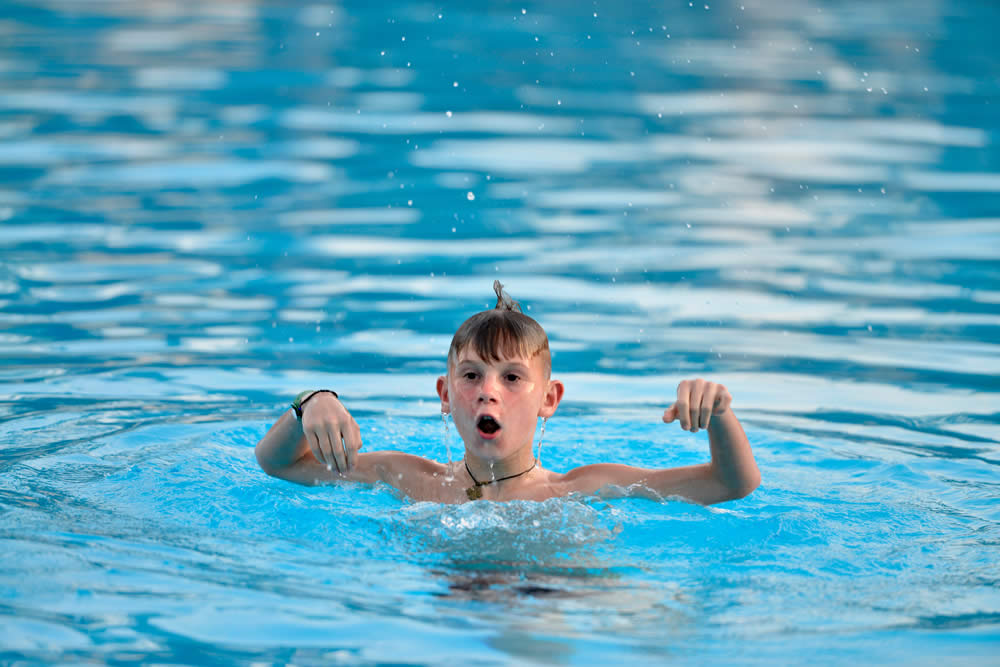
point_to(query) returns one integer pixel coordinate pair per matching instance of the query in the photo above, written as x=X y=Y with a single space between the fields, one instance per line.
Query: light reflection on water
x=206 y=207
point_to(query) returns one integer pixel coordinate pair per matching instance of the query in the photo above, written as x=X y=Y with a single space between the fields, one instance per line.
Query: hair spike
x=503 y=332
x=504 y=302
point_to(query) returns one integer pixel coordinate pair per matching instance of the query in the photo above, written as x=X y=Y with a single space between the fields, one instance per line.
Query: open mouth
x=488 y=425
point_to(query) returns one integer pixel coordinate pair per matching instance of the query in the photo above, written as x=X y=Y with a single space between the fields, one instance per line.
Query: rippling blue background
x=206 y=207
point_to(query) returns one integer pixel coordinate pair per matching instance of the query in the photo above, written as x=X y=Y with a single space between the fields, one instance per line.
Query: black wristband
x=304 y=396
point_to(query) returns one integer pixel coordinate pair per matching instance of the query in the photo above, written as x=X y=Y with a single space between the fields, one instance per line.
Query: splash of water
x=449 y=476
x=519 y=535
x=541 y=436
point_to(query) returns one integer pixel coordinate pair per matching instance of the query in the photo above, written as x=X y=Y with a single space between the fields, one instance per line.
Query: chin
x=486 y=449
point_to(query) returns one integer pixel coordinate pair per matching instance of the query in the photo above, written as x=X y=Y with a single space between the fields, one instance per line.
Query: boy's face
x=496 y=405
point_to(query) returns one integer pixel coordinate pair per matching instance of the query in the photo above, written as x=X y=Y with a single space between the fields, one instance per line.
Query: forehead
x=469 y=354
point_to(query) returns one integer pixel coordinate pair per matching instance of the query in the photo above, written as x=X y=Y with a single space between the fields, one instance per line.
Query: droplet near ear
x=541 y=437
x=447 y=437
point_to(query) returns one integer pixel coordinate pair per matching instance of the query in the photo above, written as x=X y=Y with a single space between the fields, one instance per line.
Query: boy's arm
x=731 y=474
x=322 y=447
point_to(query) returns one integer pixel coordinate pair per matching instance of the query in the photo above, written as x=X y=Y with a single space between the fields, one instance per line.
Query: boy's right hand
x=332 y=433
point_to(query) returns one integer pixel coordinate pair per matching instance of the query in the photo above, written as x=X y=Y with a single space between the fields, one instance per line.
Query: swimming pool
x=205 y=208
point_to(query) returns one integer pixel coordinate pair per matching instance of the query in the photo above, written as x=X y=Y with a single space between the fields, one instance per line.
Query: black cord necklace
x=476 y=492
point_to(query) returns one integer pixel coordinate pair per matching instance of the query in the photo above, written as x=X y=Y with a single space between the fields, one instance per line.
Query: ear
x=442 y=390
x=553 y=395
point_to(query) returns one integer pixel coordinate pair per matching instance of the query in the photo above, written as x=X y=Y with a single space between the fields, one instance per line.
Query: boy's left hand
x=697 y=401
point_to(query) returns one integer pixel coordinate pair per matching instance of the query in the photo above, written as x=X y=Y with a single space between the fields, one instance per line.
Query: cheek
x=466 y=391
x=464 y=396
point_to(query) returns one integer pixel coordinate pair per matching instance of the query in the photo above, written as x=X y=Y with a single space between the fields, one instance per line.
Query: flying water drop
x=449 y=476
x=541 y=436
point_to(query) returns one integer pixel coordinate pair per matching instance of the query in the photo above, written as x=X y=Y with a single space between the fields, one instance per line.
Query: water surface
x=205 y=208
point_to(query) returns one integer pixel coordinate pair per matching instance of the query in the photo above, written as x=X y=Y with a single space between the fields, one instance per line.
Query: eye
x=470 y=375
x=512 y=377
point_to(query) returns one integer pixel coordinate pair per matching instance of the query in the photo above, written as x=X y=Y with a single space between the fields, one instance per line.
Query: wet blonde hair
x=502 y=332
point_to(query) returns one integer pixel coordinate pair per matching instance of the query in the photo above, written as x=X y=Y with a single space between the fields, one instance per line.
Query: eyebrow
x=509 y=363
x=516 y=365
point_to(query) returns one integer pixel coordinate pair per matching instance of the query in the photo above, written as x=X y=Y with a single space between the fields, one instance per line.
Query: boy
x=497 y=385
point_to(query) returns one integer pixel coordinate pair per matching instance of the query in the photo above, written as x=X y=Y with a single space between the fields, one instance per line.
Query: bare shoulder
x=414 y=476
x=391 y=466
x=592 y=478
x=696 y=483
x=370 y=467
x=390 y=463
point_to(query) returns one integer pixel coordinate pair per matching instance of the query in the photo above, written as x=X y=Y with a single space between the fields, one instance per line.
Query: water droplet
x=447 y=444
x=541 y=436
x=448 y=114
x=470 y=196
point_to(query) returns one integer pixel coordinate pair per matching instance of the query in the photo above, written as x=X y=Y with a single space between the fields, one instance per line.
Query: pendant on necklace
x=474 y=492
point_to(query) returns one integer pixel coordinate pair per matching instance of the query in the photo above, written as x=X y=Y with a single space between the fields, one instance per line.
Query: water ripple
x=205 y=208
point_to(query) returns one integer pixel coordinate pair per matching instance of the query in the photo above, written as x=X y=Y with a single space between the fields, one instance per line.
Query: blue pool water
x=207 y=207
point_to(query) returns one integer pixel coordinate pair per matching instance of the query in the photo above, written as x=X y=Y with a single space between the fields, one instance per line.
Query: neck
x=517 y=463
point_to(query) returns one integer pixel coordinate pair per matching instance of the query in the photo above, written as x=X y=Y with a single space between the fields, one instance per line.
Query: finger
x=337 y=449
x=723 y=401
x=327 y=447
x=325 y=451
x=697 y=392
x=707 y=403
x=313 y=439
x=670 y=414
x=352 y=443
x=683 y=398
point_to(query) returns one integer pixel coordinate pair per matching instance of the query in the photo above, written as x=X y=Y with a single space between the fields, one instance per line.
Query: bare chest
x=454 y=490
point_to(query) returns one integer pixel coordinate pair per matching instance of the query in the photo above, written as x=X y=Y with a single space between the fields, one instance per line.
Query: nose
x=488 y=389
